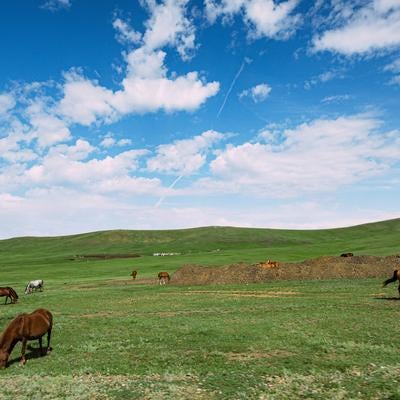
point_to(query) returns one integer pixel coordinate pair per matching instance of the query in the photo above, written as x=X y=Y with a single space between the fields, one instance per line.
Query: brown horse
x=273 y=264
x=347 y=255
x=394 y=278
x=9 y=293
x=163 y=277
x=133 y=275
x=26 y=327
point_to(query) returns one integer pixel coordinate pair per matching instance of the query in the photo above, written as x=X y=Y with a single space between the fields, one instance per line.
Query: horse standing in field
x=394 y=278
x=347 y=255
x=272 y=264
x=133 y=275
x=163 y=277
x=26 y=327
x=9 y=293
x=38 y=284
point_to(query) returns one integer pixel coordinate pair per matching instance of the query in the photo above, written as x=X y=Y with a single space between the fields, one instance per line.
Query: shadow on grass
x=387 y=298
x=32 y=353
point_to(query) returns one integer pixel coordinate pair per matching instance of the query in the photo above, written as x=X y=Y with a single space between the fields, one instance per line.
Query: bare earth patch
x=326 y=267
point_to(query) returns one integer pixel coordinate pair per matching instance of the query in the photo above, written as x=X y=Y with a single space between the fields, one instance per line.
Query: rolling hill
x=380 y=238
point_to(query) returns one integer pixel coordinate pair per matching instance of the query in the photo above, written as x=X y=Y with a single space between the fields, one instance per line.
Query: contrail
x=245 y=61
x=171 y=186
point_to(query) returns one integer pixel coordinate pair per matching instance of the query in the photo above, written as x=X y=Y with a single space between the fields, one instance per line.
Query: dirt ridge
x=325 y=267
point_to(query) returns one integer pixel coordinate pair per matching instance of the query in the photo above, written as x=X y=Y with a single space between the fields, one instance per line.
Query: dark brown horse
x=163 y=277
x=133 y=275
x=394 y=278
x=9 y=293
x=347 y=255
x=26 y=327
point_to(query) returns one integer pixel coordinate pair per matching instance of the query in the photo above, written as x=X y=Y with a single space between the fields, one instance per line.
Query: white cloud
x=395 y=68
x=125 y=34
x=110 y=141
x=258 y=93
x=7 y=102
x=318 y=156
x=85 y=101
x=265 y=18
x=371 y=28
x=146 y=88
x=55 y=5
x=184 y=157
x=337 y=98
x=324 y=77
x=169 y=25
x=63 y=168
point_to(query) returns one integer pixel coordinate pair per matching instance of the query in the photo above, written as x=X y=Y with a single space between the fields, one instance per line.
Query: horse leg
x=41 y=346
x=23 y=359
x=399 y=289
x=48 y=341
x=6 y=300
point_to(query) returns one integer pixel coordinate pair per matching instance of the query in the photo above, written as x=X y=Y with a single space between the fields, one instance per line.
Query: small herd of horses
x=163 y=277
x=25 y=326
x=35 y=325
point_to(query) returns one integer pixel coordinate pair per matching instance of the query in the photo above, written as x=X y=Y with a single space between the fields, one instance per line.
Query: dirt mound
x=326 y=267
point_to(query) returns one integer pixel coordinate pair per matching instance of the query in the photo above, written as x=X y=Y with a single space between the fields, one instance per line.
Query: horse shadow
x=387 y=298
x=31 y=353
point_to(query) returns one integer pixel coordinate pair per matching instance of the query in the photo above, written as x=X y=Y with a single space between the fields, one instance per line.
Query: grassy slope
x=309 y=340
x=378 y=238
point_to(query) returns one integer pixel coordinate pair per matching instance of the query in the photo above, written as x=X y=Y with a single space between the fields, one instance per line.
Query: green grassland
x=275 y=340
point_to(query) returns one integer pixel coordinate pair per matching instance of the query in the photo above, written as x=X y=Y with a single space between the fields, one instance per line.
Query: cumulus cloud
x=125 y=34
x=363 y=30
x=184 y=157
x=110 y=141
x=170 y=25
x=318 y=156
x=147 y=85
x=265 y=18
x=257 y=93
x=7 y=102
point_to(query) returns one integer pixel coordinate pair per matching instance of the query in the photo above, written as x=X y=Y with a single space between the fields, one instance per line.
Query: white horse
x=38 y=284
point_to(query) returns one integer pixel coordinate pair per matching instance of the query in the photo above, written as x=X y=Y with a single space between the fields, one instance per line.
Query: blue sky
x=169 y=114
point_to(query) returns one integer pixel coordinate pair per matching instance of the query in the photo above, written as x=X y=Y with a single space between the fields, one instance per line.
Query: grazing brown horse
x=347 y=255
x=268 y=264
x=163 y=277
x=394 y=278
x=26 y=327
x=133 y=275
x=9 y=293
x=272 y=264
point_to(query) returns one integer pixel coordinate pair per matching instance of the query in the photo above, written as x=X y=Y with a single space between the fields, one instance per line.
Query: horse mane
x=10 y=326
x=13 y=292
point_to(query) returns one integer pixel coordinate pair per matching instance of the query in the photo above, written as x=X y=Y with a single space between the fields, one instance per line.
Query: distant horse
x=163 y=277
x=133 y=275
x=347 y=255
x=38 y=284
x=268 y=264
x=26 y=327
x=394 y=278
x=9 y=293
x=272 y=264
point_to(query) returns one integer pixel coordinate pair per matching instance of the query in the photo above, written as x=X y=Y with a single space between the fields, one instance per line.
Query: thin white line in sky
x=171 y=186
x=231 y=87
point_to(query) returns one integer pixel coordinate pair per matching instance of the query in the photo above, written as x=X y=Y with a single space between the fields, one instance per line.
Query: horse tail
x=393 y=278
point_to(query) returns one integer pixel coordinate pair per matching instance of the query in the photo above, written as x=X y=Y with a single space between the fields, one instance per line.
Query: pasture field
x=114 y=339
